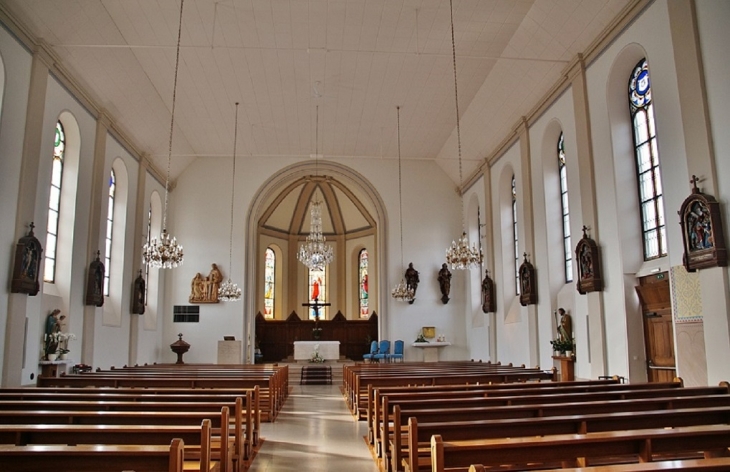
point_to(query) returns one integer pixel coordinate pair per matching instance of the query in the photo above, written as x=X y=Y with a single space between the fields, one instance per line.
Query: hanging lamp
x=460 y=255
x=315 y=253
x=167 y=253
x=228 y=291
x=402 y=292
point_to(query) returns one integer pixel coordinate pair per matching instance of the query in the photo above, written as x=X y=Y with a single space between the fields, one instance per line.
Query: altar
x=328 y=350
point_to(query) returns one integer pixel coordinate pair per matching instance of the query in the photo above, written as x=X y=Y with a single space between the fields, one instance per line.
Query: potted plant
x=563 y=346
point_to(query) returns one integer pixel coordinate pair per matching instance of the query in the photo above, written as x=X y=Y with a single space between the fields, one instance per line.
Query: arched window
x=54 y=204
x=318 y=290
x=109 y=231
x=269 y=280
x=647 y=162
x=567 y=248
x=515 y=237
x=362 y=272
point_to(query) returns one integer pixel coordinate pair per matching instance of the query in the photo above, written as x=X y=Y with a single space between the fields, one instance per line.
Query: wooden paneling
x=276 y=338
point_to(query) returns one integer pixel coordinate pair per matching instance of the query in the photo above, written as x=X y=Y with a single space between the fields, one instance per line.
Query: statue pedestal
x=567 y=368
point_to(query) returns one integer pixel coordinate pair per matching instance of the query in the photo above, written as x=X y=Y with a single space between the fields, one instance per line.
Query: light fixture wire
x=228 y=291
x=401 y=292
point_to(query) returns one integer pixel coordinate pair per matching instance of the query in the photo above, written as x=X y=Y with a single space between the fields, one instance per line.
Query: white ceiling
x=355 y=59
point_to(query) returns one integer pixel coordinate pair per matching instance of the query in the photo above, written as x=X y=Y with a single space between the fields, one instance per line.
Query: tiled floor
x=314 y=432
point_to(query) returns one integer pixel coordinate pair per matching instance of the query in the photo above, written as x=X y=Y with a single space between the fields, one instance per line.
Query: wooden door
x=656 y=309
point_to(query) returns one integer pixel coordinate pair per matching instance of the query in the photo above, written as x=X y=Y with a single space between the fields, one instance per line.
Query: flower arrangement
x=421 y=339
x=316 y=358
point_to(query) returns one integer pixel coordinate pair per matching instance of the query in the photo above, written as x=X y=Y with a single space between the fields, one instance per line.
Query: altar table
x=431 y=350
x=328 y=350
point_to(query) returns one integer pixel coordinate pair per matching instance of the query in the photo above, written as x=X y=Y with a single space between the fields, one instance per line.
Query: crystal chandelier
x=460 y=255
x=167 y=253
x=402 y=292
x=228 y=291
x=315 y=253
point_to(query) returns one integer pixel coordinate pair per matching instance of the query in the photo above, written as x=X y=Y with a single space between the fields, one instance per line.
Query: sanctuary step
x=316 y=375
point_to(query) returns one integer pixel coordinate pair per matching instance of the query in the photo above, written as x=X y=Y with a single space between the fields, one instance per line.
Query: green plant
x=421 y=339
x=562 y=346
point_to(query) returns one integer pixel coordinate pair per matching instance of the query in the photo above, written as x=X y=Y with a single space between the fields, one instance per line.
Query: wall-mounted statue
x=28 y=252
x=702 y=233
x=95 y=282
x=412 y=280
x=489 y=303
x=589 y=265
x=205 y=289
x=565 y=326
x=138 y=295
x=444 y=283
x=528 y=283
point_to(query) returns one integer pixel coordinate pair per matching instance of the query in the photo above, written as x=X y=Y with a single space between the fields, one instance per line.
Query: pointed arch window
x=109 y=230
x=364 y=297
x=515 y=237
x=647 y=162
x=54 y=204
x=567 y=247
x=318 y=289
x=269 y=282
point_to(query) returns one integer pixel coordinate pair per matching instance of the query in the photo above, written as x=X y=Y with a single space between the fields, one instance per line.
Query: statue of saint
x=412 y=278
x=214 y=280
x=52 y=327
x=444 y=282
x=565 y=328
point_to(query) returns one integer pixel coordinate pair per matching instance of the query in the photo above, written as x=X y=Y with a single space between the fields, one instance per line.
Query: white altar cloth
x=328 y=350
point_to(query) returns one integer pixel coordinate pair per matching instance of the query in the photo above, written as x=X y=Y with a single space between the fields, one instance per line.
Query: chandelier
x=228 y=291
x=167 y=253
x=315 y=253
x=402 y=292
x=460 y=255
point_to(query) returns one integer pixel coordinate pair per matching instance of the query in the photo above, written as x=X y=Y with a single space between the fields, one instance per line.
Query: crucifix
x=317 y=331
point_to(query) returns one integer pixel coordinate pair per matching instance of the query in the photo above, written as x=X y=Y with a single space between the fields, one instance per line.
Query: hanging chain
x=172 y=117
x=316 y=143
x=233 y=190
x=456 y=96
x=400 y=193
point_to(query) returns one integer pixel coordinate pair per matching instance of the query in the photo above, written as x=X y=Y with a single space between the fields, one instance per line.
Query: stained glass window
x=109 y=231
x=363 y=283
x=318 y=290
x=515 y=237
x=647 y=162
x=567 y=249
x=269 y=281
x=54 y=204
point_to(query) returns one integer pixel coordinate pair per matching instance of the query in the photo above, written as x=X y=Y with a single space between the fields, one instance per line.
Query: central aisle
x=314 y=431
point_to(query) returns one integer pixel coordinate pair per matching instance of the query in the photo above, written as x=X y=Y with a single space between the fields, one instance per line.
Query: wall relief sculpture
x=205 y=289
x=702 y=234
x=589 y=265
x=528 y=283
x=95 y=282
x=27 y=265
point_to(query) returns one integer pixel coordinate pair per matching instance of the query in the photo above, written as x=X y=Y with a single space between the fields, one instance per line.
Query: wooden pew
x=714 y=464
x=415 y=455
x=635 y=445
x=88 y=458
x=417 y=399
x=383 y=430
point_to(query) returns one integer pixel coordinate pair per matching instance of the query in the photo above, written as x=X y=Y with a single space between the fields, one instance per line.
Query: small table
x=430 y=354
x=567 y=368
x=50 y=368
x=328 y=350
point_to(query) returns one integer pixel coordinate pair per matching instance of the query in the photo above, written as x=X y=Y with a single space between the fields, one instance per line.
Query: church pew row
x=228 y=447
x=713 y=464
x=250 y=410
x=393 y=406
x=88 y=458
x=450 y=392
x=269 y=408
x=440 y=375
x=415 y=455
x=244 y=436
x=608 y=447
x=197 y=439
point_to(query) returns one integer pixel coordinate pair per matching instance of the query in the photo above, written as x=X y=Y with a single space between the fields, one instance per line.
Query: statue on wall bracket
x=138 y=295
x=27 y=265
x=528 y=283
x=205 y=289
x=589 y=265
x=95 y=283
x=489 y=303
x=702 y=234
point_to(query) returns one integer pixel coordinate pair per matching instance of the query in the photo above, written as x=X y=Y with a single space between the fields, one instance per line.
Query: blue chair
x=373 y=351
x=397 y=351
x=383 y=351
